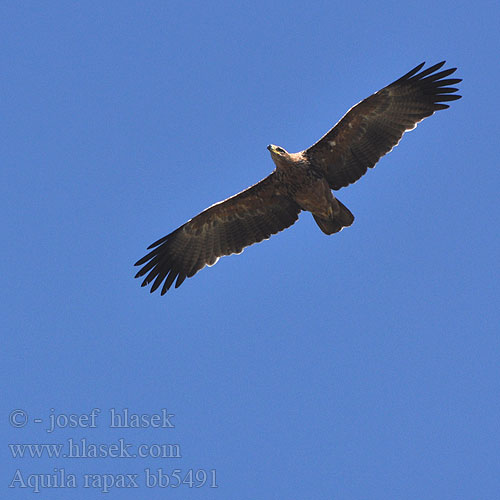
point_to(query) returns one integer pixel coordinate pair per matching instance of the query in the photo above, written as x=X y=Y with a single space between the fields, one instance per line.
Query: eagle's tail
x=335 y=223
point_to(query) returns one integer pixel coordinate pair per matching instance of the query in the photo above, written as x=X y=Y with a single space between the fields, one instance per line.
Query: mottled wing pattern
x=373 y=127
x=222 y=229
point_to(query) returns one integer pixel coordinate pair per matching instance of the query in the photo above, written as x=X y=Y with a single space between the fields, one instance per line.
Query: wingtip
x=439 y=65
x=142 y=261
x=413 y=71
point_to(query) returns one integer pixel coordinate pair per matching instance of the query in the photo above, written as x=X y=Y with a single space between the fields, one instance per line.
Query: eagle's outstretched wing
x=222 y=229
x=373 y=127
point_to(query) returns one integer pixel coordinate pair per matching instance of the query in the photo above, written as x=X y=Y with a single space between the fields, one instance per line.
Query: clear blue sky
x=364 y=365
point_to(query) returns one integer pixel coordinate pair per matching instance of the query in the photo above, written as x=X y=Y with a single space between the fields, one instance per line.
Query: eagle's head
x=277 y=151
x=281 y=157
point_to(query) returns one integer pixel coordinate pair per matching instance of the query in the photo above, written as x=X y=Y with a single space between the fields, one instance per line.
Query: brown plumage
x=301 y=181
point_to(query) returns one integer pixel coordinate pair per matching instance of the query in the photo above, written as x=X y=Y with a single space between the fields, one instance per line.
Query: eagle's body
x=301 y=181
x=308 y=187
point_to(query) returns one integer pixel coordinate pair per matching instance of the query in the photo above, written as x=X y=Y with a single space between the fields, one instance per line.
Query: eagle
x=301 y=181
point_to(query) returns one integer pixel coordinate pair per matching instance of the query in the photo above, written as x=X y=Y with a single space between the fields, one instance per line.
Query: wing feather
x=222 y=229
x=374 y=126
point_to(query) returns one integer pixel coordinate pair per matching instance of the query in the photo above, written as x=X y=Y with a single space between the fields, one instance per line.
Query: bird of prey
x=301 y=181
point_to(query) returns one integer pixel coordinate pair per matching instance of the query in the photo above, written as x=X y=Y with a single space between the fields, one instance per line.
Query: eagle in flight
x=301 y=181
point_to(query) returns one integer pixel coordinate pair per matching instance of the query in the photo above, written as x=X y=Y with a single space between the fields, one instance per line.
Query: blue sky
x=364 y=365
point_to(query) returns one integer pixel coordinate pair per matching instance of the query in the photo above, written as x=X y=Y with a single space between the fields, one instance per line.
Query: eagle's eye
x=276 y=149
